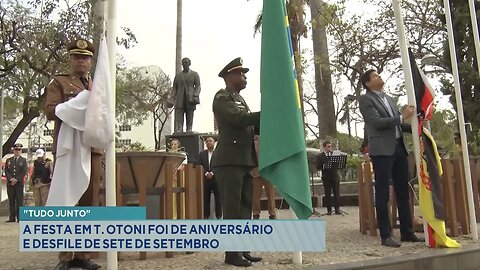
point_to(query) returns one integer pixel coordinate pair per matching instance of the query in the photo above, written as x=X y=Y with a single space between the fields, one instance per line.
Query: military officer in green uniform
x=235 y=155
x=16 y=169
x=61 y=89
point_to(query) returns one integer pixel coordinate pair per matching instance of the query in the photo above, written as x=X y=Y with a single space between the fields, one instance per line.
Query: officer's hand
x=13 y=182
x=408 y=112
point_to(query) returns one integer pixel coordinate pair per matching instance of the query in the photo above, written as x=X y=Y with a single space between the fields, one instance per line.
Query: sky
x=214 y=33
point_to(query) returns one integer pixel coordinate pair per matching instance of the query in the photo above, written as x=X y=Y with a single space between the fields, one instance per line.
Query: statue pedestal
x=192 y=142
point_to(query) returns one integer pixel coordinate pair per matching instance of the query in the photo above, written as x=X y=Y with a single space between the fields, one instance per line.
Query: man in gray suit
x=185 y=95
x=385 y=127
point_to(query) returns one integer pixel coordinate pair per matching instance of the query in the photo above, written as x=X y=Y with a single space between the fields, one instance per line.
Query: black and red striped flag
x=424 y=93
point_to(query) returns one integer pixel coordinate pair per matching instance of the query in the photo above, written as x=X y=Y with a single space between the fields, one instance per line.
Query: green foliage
x=347 y=144
x=133 y=147
x=142 y=93
x=33 y=35
x=467 y=67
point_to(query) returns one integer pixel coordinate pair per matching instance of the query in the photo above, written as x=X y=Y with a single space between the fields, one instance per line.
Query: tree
x=467 y=65
x=364 y=42
x=142 y=92
x=32 y=50
x=327 y=124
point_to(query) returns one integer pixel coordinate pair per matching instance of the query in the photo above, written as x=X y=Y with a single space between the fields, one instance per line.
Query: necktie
x=398 y=132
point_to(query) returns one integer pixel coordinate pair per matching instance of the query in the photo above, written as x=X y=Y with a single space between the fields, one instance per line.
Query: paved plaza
x=345 y=244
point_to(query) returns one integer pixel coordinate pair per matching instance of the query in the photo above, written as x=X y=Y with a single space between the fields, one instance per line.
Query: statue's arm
x=173 y=92
x=197 y=85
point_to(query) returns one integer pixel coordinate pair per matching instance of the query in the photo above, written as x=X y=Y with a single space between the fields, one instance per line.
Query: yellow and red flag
x=430 y=202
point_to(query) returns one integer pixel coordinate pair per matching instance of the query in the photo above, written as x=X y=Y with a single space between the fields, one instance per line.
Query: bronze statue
x=185 y=95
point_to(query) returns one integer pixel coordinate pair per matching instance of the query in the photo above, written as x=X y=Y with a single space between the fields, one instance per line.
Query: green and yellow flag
x=283 y=157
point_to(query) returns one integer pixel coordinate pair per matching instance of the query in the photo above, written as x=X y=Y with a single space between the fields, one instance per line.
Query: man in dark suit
x=209 y=183
x=234 y=156
x=385 y=127
x=16 y=169
x=330 y=179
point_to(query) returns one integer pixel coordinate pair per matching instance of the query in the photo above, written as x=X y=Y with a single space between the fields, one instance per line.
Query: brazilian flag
x=283 y=157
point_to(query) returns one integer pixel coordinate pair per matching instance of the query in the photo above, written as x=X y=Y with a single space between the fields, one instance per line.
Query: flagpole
x=297 y=255
x=461 y=120
x=476 y=39
x=408 y=85
x=111 y=198
x=408 y=79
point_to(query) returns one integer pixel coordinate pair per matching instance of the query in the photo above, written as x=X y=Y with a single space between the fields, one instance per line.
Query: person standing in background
x=209 y=183
x=16 y=169
x=41 y=177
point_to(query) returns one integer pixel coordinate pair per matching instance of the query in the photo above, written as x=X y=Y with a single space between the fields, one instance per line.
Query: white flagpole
x=297 y=255
x=461 y=120
x=408 y=79
x=110 y=186
x=476 y=39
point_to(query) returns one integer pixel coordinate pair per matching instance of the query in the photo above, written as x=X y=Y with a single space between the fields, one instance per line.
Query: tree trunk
x=157 y=139
x=21 y=126
x=327 y=123
x=178 y=50
x=98 y=15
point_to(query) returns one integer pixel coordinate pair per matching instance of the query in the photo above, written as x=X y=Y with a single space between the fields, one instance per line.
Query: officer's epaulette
x=222 y=93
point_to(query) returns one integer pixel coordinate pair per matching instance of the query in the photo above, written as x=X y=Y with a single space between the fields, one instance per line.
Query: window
x=125 y=127
x=125 y=142
x=47 y=145
x=48 y=132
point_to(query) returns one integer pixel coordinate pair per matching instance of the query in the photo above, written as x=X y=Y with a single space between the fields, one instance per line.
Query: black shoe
x=389 y=242
x=235 y=259
x=251 y=258
x=337 y=212
x=62 y=266
x=256 y=216
x=411 y=238
x=10 y=220
x=85 y=264
x=220 y=217
x=329 y=213
x=272 y=217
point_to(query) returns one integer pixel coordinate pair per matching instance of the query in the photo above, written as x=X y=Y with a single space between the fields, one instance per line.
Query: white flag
x=99 y=131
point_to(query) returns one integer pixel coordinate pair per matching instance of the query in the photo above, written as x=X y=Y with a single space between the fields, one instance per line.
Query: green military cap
x=80 y=46
x=235 y=64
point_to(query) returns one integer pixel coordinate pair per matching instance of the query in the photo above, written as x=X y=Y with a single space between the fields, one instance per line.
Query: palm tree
x=323 y=76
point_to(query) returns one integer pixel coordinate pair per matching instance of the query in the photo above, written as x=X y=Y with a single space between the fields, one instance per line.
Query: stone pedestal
x=191 y=142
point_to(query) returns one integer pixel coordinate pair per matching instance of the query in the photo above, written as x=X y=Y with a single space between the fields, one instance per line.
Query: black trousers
x=15 y=199
x=332 y=185
x=393 y=167
x=209 y=186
